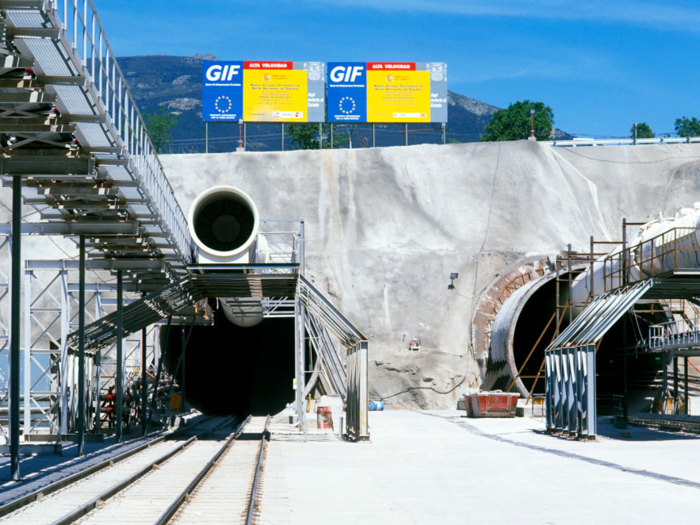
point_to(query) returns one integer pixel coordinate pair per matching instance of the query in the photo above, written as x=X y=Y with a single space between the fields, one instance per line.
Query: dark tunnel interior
x=642 y=368
x=233 y=370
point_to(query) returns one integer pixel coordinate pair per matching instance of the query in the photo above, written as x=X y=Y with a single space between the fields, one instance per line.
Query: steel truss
x=50 y=366
x=570 y=390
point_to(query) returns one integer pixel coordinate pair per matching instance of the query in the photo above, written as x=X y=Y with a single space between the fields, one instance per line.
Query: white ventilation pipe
x=655 y=249
x=224 y=223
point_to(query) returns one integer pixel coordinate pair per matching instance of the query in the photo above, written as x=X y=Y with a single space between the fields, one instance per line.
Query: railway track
x=67 y=500
x=229 y=490
x=200 y=478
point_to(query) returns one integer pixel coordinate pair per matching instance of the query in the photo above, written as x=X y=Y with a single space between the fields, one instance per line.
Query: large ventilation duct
x=658 y=247
x=224 y=223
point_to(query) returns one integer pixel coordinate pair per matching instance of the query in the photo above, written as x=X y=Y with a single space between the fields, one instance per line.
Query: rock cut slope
x=385 y=228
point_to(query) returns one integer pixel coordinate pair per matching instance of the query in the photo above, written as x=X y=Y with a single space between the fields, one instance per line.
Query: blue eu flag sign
x=222 y=91
x=347 y=92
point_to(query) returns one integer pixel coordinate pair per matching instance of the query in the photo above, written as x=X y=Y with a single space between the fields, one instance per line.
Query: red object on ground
x=323 y=417
x=492 y=404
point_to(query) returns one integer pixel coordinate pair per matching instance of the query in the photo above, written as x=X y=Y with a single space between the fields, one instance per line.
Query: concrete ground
x=440 y=467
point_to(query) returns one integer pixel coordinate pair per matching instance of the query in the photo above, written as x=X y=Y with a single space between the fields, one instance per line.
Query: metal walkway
x=244 y=281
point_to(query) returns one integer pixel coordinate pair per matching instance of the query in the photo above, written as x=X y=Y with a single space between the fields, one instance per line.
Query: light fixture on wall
x=453 y=276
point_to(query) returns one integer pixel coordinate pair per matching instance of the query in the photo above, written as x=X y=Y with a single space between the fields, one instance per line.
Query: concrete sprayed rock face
x=386 y=227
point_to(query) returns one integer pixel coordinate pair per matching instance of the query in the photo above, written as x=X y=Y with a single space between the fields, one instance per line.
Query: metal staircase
x=71 y=132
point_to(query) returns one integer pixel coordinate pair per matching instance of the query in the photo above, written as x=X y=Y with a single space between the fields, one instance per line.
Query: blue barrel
x=375 y=405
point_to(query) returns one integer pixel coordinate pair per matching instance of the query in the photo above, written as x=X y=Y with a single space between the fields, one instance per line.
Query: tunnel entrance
x=526 y=324
x=233 y=370
x=531 y=326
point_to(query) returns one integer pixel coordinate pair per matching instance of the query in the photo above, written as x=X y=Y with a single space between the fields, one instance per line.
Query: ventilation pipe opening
x=224 y=224
x=234 y=370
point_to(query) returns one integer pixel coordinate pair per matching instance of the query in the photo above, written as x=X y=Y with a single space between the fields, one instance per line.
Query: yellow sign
x=398 y=96
x=274 y=95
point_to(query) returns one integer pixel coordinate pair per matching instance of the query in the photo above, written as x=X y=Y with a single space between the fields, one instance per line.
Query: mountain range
x=175 y=83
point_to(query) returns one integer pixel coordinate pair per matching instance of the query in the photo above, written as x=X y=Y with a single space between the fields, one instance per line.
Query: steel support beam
x=664 y=383
x=686 y=400
x=81 y=350
x=625 y=365
x=675 y=384
x=185 y=341
x=298 y=367
x=90 y=228
x=119 y=378
x=47 y=165
x=15 y=284
x=144 y=382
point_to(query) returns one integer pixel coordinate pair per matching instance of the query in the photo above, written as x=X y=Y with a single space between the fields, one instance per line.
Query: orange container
x=492 y=404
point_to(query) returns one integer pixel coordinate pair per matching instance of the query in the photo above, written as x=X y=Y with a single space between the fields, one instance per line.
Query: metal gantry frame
x=51 y=315
x=669 y=275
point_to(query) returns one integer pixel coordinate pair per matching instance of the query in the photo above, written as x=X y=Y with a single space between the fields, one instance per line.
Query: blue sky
x=600 y=65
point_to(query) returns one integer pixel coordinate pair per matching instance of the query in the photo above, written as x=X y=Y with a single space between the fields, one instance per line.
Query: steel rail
x=250 y=515
x=184 y=495
x=118 y=487
x=20 y=502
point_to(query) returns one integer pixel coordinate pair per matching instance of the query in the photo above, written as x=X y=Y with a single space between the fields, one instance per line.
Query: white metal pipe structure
x=225 y=224
x=27 y=355
x=119 y=377
x=660 y=246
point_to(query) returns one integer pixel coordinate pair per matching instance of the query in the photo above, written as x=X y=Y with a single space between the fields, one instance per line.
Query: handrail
x=126 y=124
x=663 y=254
x=680 y=332
x=585 y=142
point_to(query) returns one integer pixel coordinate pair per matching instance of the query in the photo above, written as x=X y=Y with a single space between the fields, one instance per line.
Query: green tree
x=514 y=123
x=305 y=136
x=160 y=126
x=643 y=131
x=688 y=127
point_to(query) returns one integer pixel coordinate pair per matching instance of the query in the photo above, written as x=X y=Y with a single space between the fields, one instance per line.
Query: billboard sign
x=347 y=92
x=375 y=92
x=387 y=92
x=259 y=91
x=222 y=91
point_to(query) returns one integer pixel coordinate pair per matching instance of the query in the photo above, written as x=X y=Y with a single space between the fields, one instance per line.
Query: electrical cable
x=571 y=150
